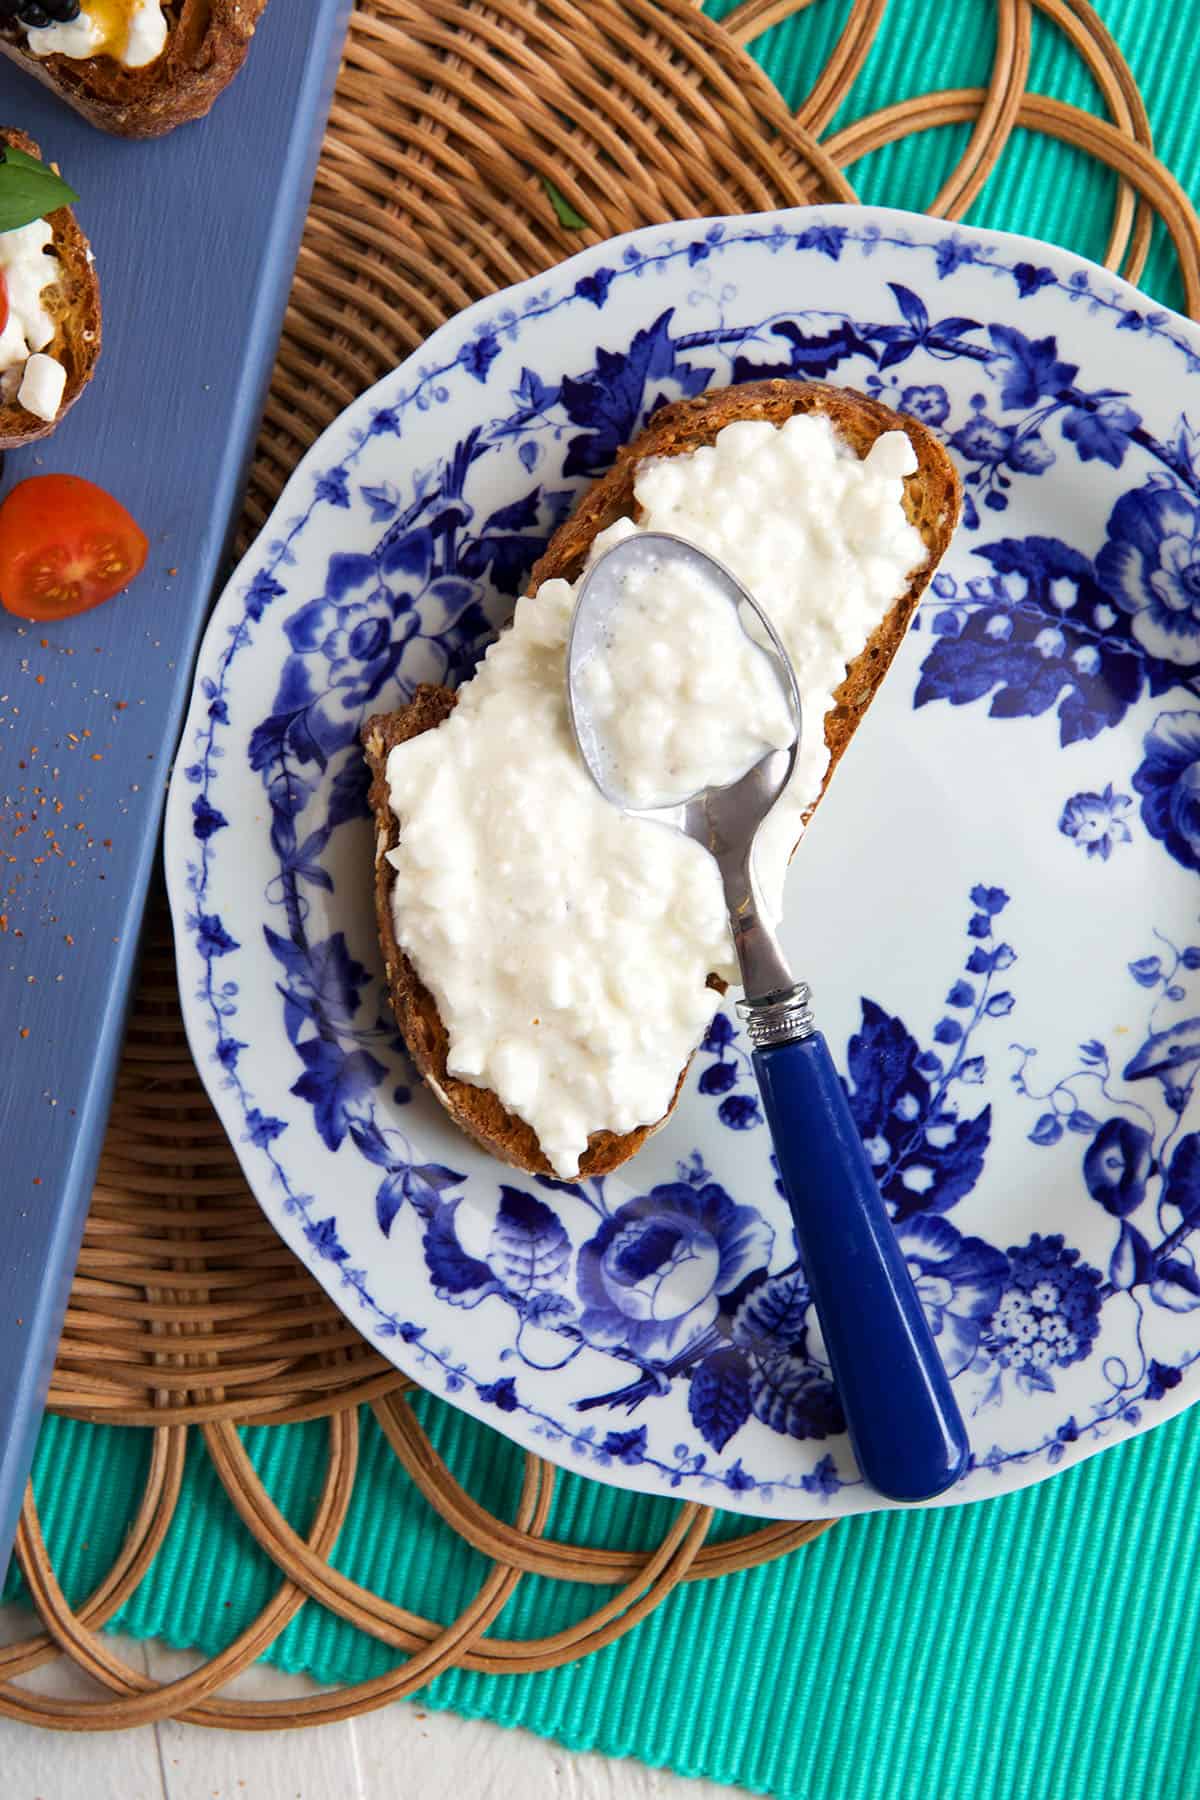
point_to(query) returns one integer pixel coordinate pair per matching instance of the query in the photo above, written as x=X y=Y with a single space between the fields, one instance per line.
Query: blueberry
x=61 y=11
x=32 y=14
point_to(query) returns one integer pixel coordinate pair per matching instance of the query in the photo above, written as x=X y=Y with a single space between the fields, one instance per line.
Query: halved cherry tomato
x=65 y=546
x=3 y=302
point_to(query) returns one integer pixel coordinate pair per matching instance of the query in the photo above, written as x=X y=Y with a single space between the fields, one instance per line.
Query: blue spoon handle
x=904 y=1424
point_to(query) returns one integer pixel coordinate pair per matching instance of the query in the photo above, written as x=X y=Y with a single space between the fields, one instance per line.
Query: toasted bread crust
x=931 y=500
x=206 y=46
x=74 y=305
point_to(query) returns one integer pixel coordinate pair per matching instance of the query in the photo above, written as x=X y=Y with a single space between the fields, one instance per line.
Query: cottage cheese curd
x=133 y=31
x=568 y=944
x=29 y=267
x=681 y=697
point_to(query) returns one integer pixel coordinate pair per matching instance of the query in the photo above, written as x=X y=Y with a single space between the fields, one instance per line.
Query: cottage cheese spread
x=681 y=697
x=134 y=31
x=29 y=267
x=567 y=944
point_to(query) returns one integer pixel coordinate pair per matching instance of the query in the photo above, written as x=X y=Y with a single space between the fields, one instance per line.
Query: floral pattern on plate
x=1024 y=1090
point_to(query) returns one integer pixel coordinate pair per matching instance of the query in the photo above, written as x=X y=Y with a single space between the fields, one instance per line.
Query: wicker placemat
x=188 y=1314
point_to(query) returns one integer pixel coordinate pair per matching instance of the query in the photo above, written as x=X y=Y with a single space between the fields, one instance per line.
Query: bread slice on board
x=207 y=41
x=74 y=305
x=931 y=500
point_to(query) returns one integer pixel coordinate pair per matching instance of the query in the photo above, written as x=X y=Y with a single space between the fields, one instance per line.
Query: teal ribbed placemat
x=1038 y=1647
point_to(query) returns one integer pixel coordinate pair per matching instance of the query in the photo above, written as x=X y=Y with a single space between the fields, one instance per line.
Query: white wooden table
x=399 y=1753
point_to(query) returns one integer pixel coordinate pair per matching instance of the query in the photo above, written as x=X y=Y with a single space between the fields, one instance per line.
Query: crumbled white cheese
x=568 y=944
x=28 y=267
x=136 y=35
x=42 y=387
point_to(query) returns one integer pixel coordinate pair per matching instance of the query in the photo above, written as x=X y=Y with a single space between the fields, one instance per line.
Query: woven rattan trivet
x=449 y=116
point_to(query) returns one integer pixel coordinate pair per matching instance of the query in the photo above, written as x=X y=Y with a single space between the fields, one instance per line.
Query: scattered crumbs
x=121 y=705
x=96 y=756
x=41 y=680
x=172 y=571
x=37 y=1181
x=67 y=938
x=24 y=1031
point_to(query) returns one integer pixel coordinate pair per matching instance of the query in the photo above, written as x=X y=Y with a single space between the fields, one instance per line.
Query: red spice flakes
x=121 y=705
x=3 y=921
x=37 y=1181
x=107 y=842
x=24 y=1031
x=41 y=680
x=96 y=756
x=67 y=938
x=44 y=642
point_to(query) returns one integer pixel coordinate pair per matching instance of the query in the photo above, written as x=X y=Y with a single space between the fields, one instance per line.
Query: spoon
x=904 y=1423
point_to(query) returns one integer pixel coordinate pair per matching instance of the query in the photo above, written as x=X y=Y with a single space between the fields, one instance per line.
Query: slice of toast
x=931 y=500
x=207 y=41
x=74 y=305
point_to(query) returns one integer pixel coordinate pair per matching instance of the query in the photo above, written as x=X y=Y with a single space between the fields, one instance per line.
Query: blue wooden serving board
x=195 y=238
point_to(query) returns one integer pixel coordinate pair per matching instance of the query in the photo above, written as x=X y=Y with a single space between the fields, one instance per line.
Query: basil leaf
x=564 y=211
x=9 y=153
x=29 y=189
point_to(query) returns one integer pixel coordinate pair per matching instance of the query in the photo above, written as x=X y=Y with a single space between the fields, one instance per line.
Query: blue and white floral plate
x=998 y=903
